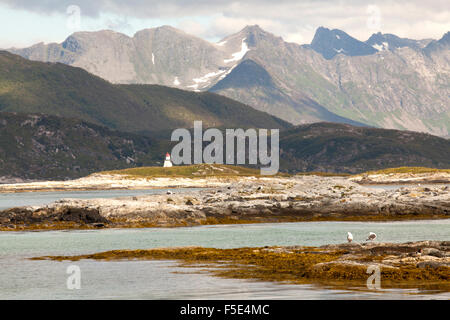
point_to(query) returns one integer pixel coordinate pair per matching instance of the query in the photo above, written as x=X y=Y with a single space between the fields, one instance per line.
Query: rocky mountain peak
x=247 y=74
x=253 y=29
x=445 y=39
x=72 y=44
x=441 y=44
x=332 y=42
x=381 y=42
x=253 y=35
x=168 y=29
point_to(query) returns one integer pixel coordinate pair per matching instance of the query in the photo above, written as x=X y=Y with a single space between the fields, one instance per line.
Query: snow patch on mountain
x=153 y=58
x=176 y=81
x=207 y=77
x=193 y=86
x=381 y=47
x=205 y=81
x=239 y=55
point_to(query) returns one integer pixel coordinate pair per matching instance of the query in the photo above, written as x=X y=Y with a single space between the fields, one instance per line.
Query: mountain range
x=386 y=81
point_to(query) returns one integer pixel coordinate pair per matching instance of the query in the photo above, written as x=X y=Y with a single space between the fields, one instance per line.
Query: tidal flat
x=423 y=264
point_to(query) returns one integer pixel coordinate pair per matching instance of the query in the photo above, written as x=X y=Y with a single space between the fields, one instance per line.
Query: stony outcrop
x=420 y=254
x=273 y=199
x=63 y=216
x=402 y=178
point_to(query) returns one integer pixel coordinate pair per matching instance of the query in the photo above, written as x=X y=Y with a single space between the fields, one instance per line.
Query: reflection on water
x=21 y=278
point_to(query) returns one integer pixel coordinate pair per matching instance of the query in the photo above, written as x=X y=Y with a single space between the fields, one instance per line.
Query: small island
x=227 y=195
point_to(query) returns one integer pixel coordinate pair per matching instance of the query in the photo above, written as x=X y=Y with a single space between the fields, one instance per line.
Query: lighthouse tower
x=167 y=162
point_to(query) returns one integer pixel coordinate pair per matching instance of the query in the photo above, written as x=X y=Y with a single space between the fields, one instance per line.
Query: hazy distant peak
x=445 y=38
x=332 y=42
x=388 y=41
x=441 y=44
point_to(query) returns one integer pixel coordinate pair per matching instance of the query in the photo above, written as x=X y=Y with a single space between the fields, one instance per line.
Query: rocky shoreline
x=243 y=200
x=109 y=181
x=424 y=265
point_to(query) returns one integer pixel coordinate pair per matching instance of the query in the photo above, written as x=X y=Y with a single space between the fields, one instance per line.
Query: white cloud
x=294 y=20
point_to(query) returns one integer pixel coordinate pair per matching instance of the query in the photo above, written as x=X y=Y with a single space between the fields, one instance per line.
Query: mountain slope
x=442 y=44
x=61 y=90
x=47 y=147
x=343 y=148
x=252 y=84
x=36 y=146
x=403 y=89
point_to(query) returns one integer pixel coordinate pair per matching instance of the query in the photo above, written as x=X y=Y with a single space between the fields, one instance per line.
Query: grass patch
x=190 y=171
x=323 y=174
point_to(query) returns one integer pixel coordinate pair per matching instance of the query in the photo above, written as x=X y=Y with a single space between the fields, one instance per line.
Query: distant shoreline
x=205 y=176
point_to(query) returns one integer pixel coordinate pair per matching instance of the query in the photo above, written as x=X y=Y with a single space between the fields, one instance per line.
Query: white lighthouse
x=167 y=162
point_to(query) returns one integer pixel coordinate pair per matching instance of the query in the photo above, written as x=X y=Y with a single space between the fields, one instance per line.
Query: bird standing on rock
x=372 y=236
x=349 y=237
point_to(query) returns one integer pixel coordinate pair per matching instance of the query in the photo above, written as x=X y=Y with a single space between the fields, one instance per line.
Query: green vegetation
x=57 y=89
x=49 y=147
x=322 y=174
x=331 y=147
x=191 y=171
x=52 y=147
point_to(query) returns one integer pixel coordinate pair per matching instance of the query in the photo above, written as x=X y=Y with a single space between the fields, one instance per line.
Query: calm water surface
x=10 y=200
x=25 y=279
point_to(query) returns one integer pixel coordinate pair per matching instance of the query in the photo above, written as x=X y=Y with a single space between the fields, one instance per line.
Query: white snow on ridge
x=176 y=81
x=206 y=77
x=378 y=47
x=205 y=80
x=239 y=55
x=153 y=58
x=221 y=43
x=339 y=51
x=337 y=36
x=194 y=86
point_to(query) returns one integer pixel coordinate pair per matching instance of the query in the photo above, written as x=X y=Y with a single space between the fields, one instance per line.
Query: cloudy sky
x=26 y=22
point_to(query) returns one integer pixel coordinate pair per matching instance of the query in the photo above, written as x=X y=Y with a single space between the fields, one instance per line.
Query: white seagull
x=372 y=236
x=349 y=237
